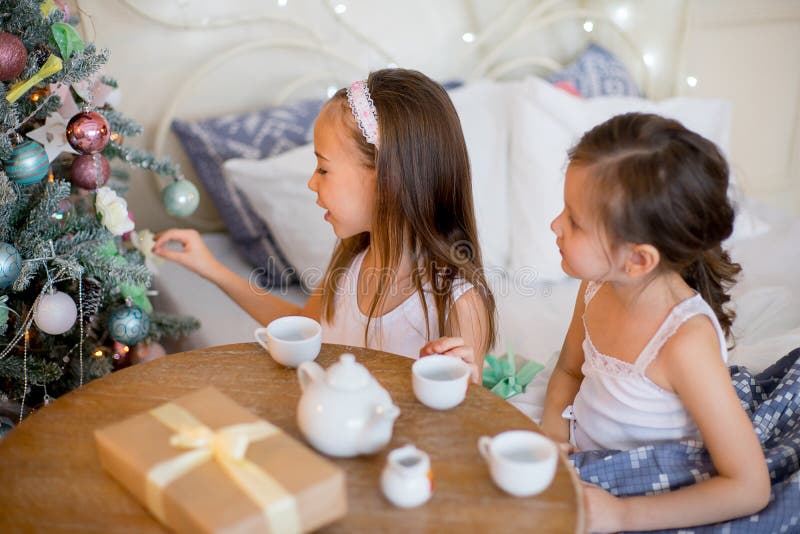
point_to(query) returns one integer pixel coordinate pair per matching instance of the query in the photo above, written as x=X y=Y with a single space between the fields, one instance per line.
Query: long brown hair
x=423 y=200
x=658 y=182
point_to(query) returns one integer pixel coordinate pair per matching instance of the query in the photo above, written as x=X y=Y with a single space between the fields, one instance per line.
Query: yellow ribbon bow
x=50 y=67
x=227 y=446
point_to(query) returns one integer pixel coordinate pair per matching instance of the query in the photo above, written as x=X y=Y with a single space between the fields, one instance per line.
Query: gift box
x=202 y=463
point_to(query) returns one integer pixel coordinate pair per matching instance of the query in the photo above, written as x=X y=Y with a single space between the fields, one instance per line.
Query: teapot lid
x=347 y=374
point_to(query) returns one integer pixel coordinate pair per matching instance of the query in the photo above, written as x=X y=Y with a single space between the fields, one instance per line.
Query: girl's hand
x=195 y=255
x=453 y=346
x=604 y=512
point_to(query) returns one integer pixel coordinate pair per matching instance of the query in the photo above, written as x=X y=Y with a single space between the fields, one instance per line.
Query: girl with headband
x=406 y=275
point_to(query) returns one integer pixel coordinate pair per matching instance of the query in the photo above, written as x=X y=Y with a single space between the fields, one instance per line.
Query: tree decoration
x=52 y=136
x=13 y=56
x=10 y=264
x=55 y=313
x=67 y=38
x=50 y=67
x=181 y=198
x=112 y=211
x=28 y=163
x=88 y=132
x=90 y=171
x=129 y=325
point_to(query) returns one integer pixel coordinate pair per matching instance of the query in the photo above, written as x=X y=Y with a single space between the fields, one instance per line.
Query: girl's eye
x=322 y=171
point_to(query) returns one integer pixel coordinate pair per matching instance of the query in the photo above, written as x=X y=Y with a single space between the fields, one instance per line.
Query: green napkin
x=502 y=377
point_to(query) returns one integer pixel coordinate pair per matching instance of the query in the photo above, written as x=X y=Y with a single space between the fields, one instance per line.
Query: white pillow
x=277 y=189
x=482 y=107
x=546 y=122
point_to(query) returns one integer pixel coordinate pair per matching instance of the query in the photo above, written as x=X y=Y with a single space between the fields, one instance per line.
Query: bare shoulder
x=693 y=346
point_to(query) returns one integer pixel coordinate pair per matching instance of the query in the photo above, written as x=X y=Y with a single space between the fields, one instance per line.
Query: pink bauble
x=13 y=56
x=88 y=132
x=90 y=171
x=144 y=352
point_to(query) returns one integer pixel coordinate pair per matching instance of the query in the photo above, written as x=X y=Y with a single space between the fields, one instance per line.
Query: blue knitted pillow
x=254 y=135
x=597 y=72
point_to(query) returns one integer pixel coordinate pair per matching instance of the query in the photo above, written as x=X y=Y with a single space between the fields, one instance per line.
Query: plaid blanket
x=772 y=400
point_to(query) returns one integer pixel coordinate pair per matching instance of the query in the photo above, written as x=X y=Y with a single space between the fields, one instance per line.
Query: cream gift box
x=202 y=463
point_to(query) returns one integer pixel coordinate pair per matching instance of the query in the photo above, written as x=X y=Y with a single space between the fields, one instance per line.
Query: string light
x=691 y=81
x=468 y=37
x=339 y=9
x=331 y=91
x=282 y=3
x=649 y=59
x=588 y=26
x=621 y=14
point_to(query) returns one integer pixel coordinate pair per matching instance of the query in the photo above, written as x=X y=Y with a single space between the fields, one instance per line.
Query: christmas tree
x=74 y=274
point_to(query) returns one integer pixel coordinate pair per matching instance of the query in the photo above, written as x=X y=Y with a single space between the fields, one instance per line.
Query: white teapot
x=344 y=411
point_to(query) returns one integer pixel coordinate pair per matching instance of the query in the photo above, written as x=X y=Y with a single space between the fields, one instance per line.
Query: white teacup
x=440 y=382
x=521 y=463
x=291 y=340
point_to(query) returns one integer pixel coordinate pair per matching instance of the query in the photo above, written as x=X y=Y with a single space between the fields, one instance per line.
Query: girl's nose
x=555 y=226
x=312 y=182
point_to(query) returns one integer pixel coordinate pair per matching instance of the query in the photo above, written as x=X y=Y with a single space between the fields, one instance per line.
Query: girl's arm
x=262 y=306
x=567 y=376
x=691 y=363
x=469 y=333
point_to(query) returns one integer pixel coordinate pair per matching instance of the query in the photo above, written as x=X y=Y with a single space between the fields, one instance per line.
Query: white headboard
x=200 y=58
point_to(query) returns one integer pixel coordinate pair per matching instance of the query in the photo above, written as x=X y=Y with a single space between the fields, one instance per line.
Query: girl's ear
x=641 y=260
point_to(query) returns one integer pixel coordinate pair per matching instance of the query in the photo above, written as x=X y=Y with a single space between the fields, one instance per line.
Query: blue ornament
x=181 y=198
x=28 y=163
x=10 y=264
x=129 y=325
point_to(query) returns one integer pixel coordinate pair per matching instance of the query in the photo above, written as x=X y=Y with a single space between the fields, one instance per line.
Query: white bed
x=666 y=44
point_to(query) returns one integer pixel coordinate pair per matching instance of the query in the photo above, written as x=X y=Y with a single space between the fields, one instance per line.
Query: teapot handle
x=483 y=447
x=308 y=373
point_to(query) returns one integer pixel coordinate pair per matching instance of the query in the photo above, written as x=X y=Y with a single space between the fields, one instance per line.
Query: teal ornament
x=181 y=198
x=129 y=325
x=28 y=163
x=138 y=294
x=504 y=379
x=10 y=264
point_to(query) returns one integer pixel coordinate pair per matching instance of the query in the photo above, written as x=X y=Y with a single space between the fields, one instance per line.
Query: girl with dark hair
x=644 y=359
x=406 y=274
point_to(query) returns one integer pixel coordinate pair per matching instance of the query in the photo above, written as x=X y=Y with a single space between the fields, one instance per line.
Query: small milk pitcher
x=407 y=479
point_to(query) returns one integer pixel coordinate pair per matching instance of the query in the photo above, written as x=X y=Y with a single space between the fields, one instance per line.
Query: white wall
x=744 y=50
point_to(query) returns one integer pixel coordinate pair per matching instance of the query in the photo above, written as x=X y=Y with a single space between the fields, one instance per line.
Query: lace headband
x=364 y=110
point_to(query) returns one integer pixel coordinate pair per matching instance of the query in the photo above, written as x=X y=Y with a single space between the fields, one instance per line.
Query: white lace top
x=617 y=406
x=400 y=331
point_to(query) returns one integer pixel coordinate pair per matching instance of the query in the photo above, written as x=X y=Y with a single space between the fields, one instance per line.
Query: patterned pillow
x=597 y=72
x=255 y=135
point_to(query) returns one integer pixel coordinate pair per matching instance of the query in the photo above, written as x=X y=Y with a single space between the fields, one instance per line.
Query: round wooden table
x=51 y=479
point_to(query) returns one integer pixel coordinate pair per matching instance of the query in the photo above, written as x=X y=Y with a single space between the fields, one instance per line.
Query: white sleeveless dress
x=400 y=331
x=618 y=406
